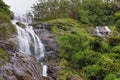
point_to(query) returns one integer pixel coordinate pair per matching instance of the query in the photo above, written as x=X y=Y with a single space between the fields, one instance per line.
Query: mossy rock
x=21 y=24
x=3 y=57
x=6 y=27
x=65 y=25
x=65 y=21
x=0 y=78
x=4 y=8
x=9 y=72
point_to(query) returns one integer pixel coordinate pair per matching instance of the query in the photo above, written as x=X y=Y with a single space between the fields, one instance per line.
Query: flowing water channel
x=28 y=41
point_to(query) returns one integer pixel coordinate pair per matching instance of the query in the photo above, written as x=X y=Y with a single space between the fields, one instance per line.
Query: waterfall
x=28 y=41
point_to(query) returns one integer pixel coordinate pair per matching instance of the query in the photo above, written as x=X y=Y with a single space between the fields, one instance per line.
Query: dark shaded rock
x=52 y=71
x=11 y=15
x=51 y=46
x=46 y=78
x=21 y=24
x=41 y=25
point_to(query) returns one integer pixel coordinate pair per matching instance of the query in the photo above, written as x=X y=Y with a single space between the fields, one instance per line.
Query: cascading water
x=29 y=42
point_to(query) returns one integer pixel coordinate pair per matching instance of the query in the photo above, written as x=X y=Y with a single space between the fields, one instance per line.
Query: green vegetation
x=0 y=78
x=4 y=8
x=9 y=72
x=6 y=27
x=83 y=55
x=3 y=57
x=92 y=58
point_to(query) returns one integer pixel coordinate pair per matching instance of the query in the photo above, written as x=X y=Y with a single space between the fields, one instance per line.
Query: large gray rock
x=26 y=67
x=21 y=67
x=21 y=24
x=48 y=39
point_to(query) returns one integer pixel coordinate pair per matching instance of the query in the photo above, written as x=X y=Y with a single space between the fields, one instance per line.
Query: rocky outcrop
x=21 y=24
x=48 y=39
x=41 y=25
x=21 y=67
x=26 y=67
x=18 y=66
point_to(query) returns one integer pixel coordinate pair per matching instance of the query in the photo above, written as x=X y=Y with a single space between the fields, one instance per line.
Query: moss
x=0 y=78
x=3 y=57
x=6 y=27
x=4 y=8
x=9 y=72
x=12 y=44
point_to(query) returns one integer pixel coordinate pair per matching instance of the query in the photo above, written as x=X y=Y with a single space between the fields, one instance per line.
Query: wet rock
x=52 y=71
x=11 y=15
x=51 y=46
x=26 y=67
x=48 y=40
x=21 y=24
x=21 y=67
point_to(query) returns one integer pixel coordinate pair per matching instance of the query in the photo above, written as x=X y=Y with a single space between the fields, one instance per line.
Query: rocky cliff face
x=43 y=30
x=21 y=67
x=15 y=65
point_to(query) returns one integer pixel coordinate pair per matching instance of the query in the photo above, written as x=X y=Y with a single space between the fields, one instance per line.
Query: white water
x=29 y=42
x=44 y=69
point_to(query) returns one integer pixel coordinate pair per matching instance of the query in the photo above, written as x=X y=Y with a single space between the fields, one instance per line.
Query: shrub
x=116 y=49
x=110 y=77
x=114 y=40
x=93 y=72
x=85 y=58
x=99 y=46
x=4 y=8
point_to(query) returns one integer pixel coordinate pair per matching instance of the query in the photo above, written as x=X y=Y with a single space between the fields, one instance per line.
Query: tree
x=4 y=8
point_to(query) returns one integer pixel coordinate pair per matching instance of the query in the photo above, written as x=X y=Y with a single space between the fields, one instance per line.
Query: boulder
x=26 y=67
x=21 y=24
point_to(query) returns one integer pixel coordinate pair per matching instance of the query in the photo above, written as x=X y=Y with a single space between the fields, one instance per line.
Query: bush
x=93 y=72
x=110 y=77
x=114 y=40
x=99 y=46
x=109 y=64
x=116 y=49
x=4 y=8
x=85 y=58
